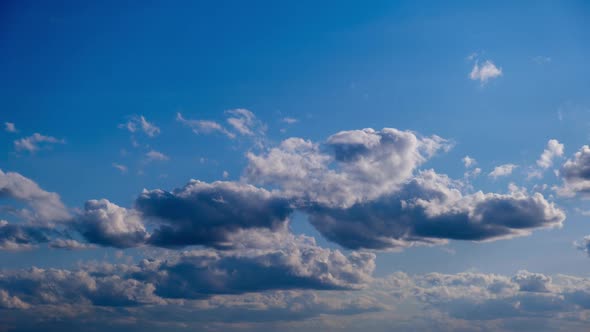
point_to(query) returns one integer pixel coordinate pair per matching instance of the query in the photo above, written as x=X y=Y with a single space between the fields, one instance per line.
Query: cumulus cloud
x=485 y=71
x=35 y=142
x=352 y=166
x=431 y=209
x=10 y=127
x=502 y=170
x=140 y=124
x=105 y=223
x=553 y=150
x=44 y=207
x=575 y=173
x=203 y=213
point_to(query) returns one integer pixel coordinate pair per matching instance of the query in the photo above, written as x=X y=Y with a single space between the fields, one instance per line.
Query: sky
x=294 y=166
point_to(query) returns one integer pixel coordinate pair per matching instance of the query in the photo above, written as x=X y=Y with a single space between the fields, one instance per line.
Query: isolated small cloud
x=154 y=155
x=139 y=123
x=35 y=142
x=10 y=127
x=540 y=59
x=485 y=72
x=468 y=161
x=289 y=120
x=502 y=170
x=121 y=168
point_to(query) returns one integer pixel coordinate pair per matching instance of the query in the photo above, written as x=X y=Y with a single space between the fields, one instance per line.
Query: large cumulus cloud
x=431 y=209
x=206 y=214
x=575 y=173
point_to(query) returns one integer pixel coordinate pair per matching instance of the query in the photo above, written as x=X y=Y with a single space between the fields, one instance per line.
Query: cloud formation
x=575 y=173
x=502 y=170
x=35 y=142
x=553 y=150
x=485 y=71
x=140 y=124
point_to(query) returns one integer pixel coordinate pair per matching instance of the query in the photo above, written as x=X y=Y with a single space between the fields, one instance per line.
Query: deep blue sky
x=77 y=71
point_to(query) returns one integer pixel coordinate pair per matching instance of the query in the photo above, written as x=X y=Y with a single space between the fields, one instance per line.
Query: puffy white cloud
x=44 y=207
x=352 y=166
x=554 y=149
x=502 y=170
x=35 y=142
x=139 y=123
x=484 y=72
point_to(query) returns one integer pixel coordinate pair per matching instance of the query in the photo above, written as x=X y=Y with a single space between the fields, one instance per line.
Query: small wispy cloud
x=139 y=123
x=154 y=155
x=204 y=126
x=541 y=60
x=502 y=170
x=289 y=120
x=121 y=168
x=10 y=127
x=35 y=142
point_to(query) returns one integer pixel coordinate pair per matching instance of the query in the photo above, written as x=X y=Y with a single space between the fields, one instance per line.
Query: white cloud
x=33 y=143
x=121 y=168
x=139 y=123
x=485 y=72
x=289 y=120
x=245 y=122
x=155 y=155
x=502 y=170
x=554 y=149
x=10 y=127
x=204 y=126
x=468 y=161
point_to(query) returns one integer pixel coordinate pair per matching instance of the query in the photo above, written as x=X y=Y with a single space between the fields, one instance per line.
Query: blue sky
x=90 y=97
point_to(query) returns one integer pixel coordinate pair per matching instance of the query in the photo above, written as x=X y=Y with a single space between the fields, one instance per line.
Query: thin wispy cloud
x=36 y=142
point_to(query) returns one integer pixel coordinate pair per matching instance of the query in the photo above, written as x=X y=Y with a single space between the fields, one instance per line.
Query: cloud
x=10 y=127
x=69 y=244
x=352 y=166
x=204 y=126
x=289 y=120
x=244 y=122
x=35 y=142
x=121 y=168
x=541 y=60
x=107 y=224
x=502 y=170
x=430 y=209
x=553 y=150
x=203 y=213
x=19 y=236
x=485 y=72
x=154 y=155
x=44 y=207
x=575 y=173
x=139 y=123
x=468 y=161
